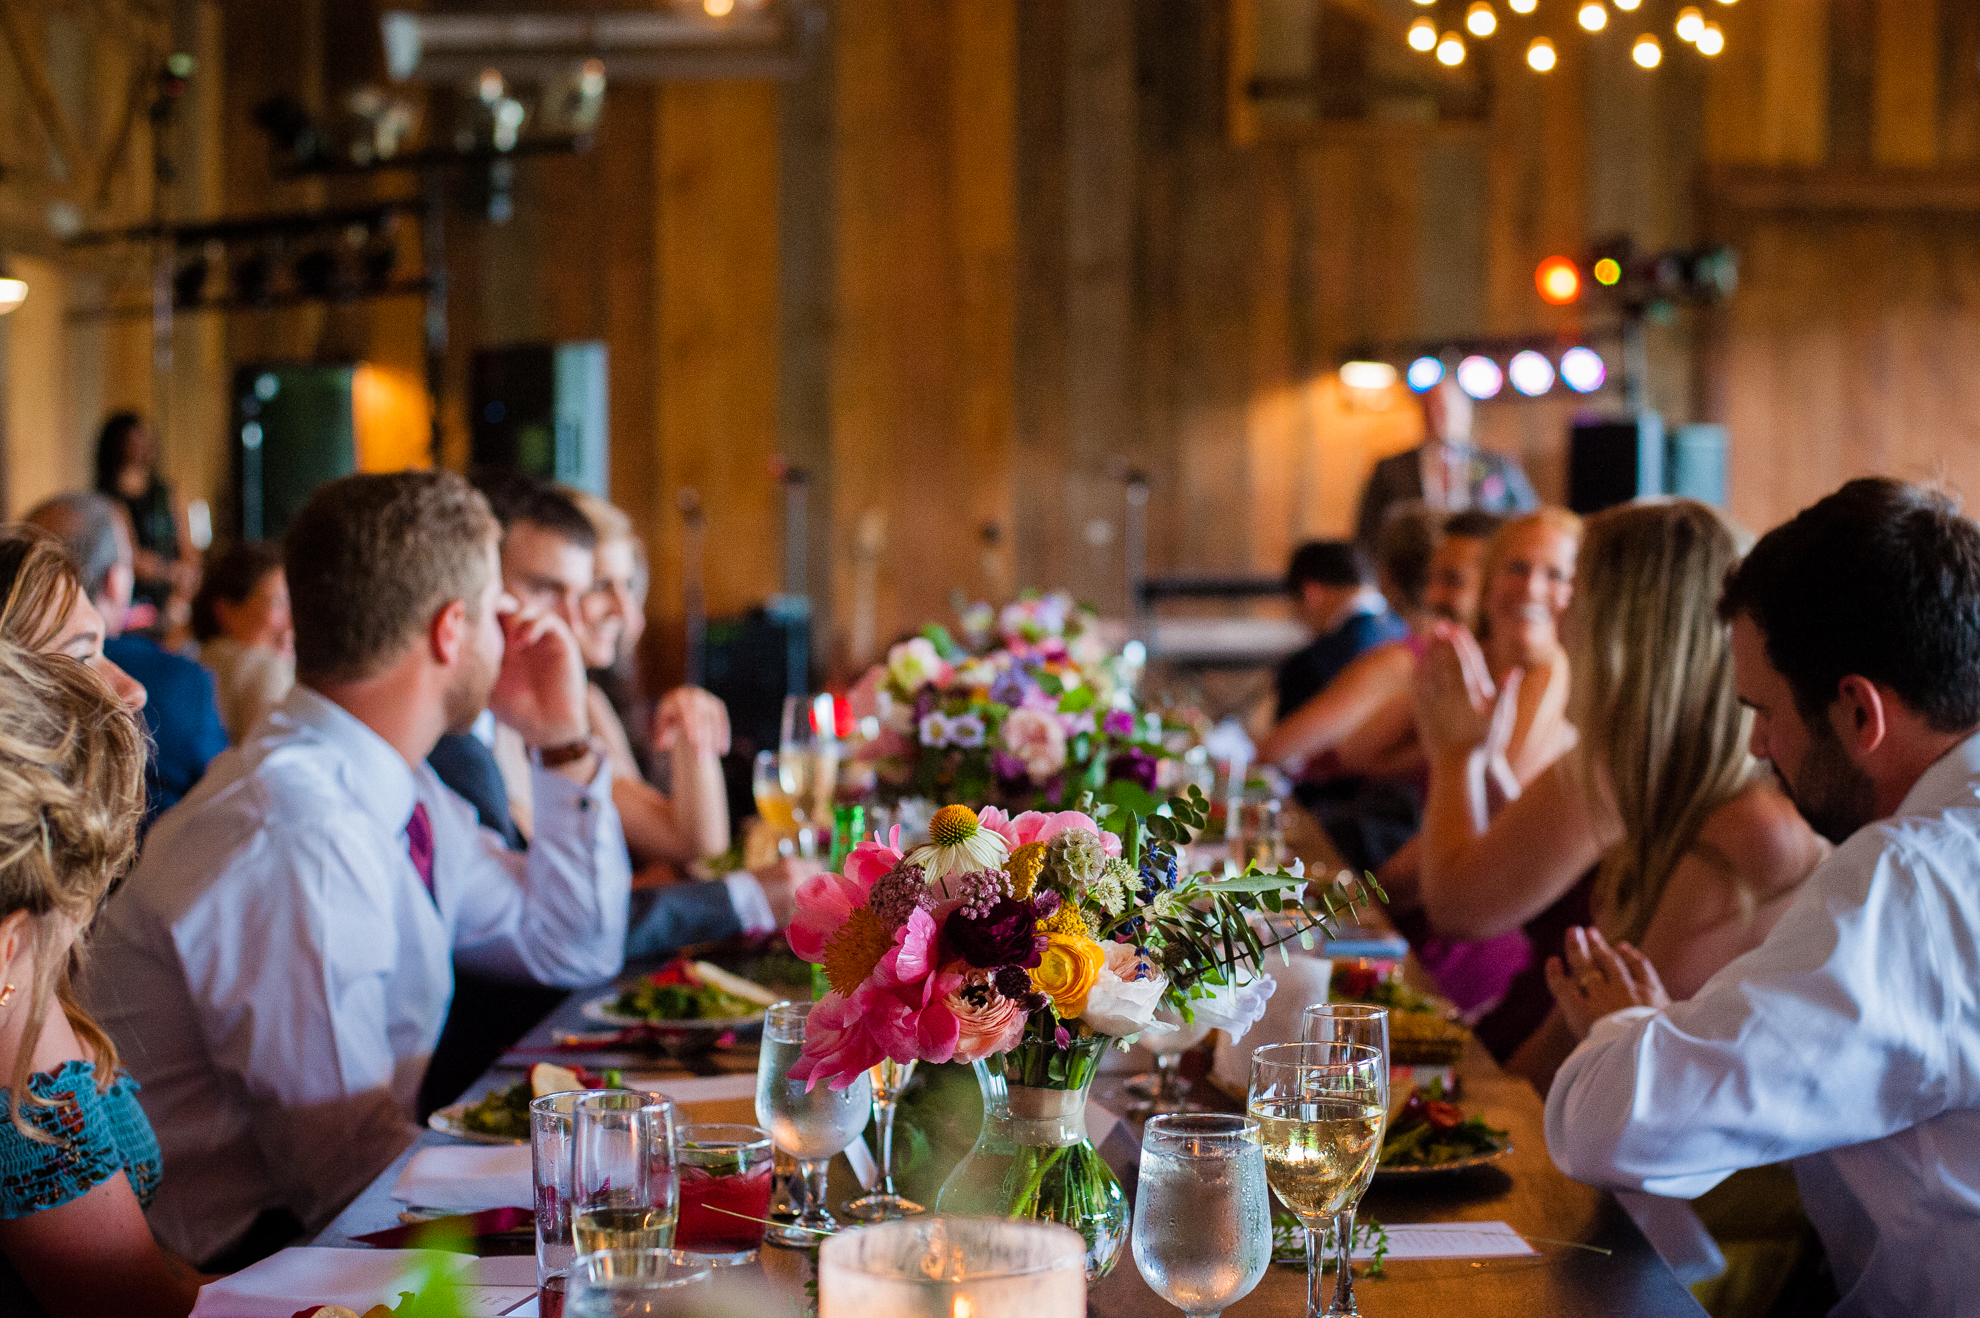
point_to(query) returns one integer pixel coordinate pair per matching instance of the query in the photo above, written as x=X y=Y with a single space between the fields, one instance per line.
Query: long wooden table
x=1592 y=1258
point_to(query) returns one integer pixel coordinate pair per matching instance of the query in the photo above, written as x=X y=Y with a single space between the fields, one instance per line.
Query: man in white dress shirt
x=1848 y=1041
x=277 y=968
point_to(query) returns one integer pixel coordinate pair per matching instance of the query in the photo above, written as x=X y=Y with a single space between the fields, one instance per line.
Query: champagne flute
x=625 y=1191
x=1348 y=1022
x=1202 y=1217
x=772 y=801
x=809 y=1124
x=795 y=744
x=888 y=1078
x=1321 y=1109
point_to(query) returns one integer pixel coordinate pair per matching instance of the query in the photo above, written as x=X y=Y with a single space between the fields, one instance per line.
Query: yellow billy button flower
x=957 y=844
x=1071 y=965
x=1024 y=867
x=1067 y=920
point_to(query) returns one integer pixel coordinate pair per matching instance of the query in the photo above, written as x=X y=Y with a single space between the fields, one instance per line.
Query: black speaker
x=540 y=408
x=752 y=661
x=293 y=430
x=1695 y=463
x=1614 y=461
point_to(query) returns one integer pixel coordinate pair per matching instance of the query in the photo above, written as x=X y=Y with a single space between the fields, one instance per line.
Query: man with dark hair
x=181 y=710
x=1333 y=593
x=278 y=966
x=1446 y=471
x=1848 y=1041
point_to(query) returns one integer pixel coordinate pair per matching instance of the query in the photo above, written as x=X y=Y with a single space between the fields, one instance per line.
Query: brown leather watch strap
x=552 y=757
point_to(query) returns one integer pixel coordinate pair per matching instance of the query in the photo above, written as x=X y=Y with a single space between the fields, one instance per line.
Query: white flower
x=1078 y=723
x=977 y=674
x=1234 y=1008
x=1037 y=739
x=936 y=729
x=896 y=714
x=966 y=731
x=958 y=844
x=1124 y=998
x=914 y=663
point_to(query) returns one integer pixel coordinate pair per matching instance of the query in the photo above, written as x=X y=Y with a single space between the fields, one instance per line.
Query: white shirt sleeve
x=752 y=907
x=1812 y=1041
x=290 y=986
x=555 y=914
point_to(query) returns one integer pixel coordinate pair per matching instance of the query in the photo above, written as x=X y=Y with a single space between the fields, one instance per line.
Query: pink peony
x=987 y=1021
x=1043 y=826
x=1036 y=739
x=824 y=901
x=900 y=1012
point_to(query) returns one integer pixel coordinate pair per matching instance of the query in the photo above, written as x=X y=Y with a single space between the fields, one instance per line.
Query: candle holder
x=953 y=1267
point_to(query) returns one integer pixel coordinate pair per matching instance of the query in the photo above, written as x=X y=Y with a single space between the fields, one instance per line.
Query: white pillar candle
x=953 y=1267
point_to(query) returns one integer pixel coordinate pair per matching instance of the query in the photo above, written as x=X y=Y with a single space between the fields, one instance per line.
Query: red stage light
x=1558 y=280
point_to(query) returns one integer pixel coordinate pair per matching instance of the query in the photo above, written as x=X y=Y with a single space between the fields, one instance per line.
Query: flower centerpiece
x=1027 y=945
x=1027 y=709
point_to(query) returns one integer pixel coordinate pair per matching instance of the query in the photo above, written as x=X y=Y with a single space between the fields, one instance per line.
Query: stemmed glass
x=888 y=1079
x=773 y=802
x=1202 y=1220
x=625 y=1190
x=1163 y=1089
x=1348 y=1022
x=809 y=1124
x=1321 y=1109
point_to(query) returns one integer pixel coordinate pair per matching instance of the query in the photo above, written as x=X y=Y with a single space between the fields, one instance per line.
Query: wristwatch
x=553 y=757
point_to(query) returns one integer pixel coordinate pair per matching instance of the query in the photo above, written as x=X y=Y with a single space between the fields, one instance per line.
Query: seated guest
x=279 y=964
x=1447 y=471
x=1528 y=576
x=180 y=711
x=79 y=1159
x=44 y=607
x=1695 y=851
x=1332 y=585
x=1402 y=555
x=240 y=617
x=1848 y=1041
x=614 y=620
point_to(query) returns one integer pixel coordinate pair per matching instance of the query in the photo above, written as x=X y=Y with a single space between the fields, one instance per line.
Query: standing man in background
x=1447 y=471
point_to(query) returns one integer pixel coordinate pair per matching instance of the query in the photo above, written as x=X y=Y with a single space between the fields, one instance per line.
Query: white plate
x=600 y=1010
x=448 y=1122
x=1439 y=1169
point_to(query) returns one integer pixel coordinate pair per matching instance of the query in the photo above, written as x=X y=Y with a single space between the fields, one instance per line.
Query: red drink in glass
x=723 y=1210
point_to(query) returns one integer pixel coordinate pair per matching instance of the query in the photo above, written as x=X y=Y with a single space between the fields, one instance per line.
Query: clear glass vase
x=1033 y=1160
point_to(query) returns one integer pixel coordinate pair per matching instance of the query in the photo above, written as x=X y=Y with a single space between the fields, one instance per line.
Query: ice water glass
x=1321 y=1109
x=811 y=1124
x=625 y=1194
x=888 y=1078
x=1202 y=1215
x=636 y=1283
x=725 y=1189
x=551 y=1119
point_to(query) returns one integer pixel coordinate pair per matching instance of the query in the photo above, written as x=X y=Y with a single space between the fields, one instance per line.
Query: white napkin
x=467 y=1178
x=696 y=1089
x=1301 y=984
x=294 y=1279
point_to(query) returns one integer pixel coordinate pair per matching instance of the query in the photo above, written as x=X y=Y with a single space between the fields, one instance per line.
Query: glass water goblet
x=1321 y=1109
x=1202 y=1216
x=810 y=1124
x=625 y=1190
x=888 y=1079
x=1163 y=1090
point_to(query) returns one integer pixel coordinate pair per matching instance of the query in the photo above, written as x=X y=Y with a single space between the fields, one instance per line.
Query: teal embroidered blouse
x=97 y=1134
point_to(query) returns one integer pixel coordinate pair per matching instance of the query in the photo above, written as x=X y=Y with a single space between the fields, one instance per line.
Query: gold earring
x=6 y=994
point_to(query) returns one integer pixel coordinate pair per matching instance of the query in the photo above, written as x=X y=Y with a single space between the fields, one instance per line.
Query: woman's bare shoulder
x=1762 y=839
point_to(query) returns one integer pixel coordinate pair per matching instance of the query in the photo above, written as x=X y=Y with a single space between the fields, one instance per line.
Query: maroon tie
x=419 y=844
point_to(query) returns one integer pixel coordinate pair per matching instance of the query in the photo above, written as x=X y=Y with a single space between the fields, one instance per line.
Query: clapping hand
x=1454 y=693
x=1598 y=979
x=692 y=717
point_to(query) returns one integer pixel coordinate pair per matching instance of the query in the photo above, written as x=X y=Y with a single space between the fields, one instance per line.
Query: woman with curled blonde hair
x=1694 y=849
x=78 y=1160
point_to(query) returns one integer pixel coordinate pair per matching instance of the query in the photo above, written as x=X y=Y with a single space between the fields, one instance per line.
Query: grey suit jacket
x=1498 y=485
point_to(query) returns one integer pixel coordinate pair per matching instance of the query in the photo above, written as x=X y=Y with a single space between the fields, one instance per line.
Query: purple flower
x=1004 y=935
x=1015 y=984
x=1136 y=764
x=978 y=890
x=1010 y=688
x=1119 y=723
x=898 y=893
x=1008 y=767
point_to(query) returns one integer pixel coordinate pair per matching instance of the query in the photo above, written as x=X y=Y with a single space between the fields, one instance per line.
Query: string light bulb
x=1522 y=6
x=1450 y=51
x=1423 y=35
x=1594 y=16
x=1540 y=56
x=1480 y=20
x=1711 y=39
x=1628 y=6
x=1690 y=23
x=1646 y=52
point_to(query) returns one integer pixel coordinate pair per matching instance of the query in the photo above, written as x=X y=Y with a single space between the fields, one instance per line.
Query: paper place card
x=1451 y=1240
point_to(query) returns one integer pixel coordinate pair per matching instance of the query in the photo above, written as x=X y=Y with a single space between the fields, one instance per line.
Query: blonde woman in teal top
x=78 y=1160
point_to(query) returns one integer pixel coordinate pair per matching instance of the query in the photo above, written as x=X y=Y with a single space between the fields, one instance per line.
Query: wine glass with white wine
x=884 y=1202
x=1321 y=1109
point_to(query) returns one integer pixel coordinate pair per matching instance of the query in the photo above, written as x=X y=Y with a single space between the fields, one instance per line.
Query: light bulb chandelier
x=1442 y=36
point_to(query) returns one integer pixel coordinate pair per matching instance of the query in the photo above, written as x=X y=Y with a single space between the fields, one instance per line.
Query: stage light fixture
x=1593 y=17
x=1711 y=39
x=1368 y=375
x=1646 y=52
x=1424 y=373
x=1480 y=20
x=1522 y=6
x=1540 y=56
x=1558 y=280
x=1480 y=377
x=1450 y=51
x=1530 y=372
x=1690 y=22
x=1608 y=271
x=1583 y=370
x=1423 y=35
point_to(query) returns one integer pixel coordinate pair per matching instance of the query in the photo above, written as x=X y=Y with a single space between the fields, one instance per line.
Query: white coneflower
x=957 y=844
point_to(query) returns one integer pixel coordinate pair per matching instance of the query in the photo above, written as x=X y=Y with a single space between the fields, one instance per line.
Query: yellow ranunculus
x=1067 y=973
